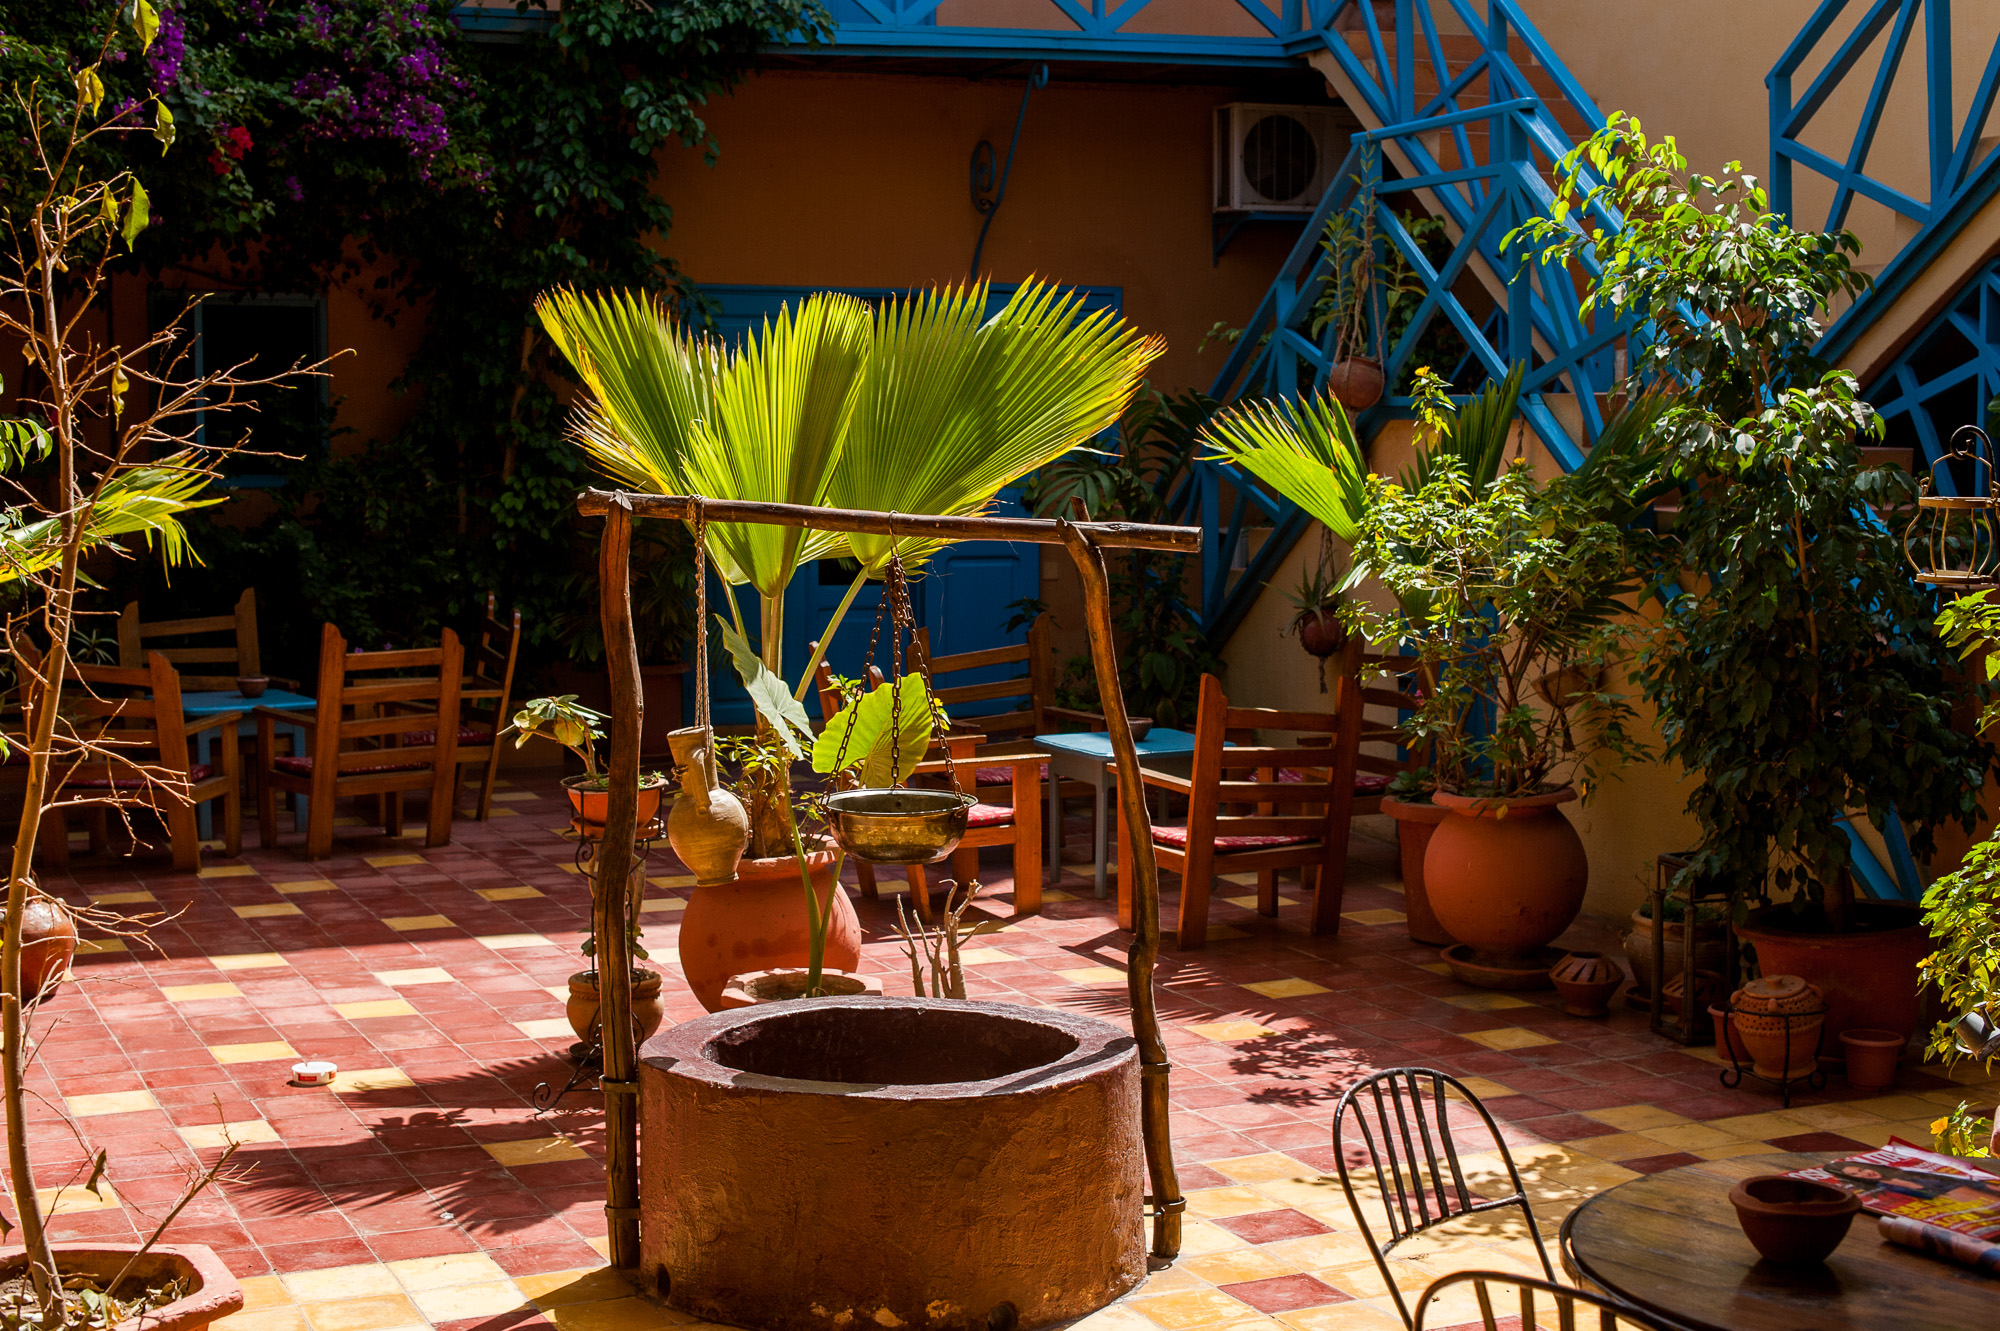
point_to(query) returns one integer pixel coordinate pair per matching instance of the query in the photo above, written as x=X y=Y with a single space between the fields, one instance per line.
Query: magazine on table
x=1907 y=1181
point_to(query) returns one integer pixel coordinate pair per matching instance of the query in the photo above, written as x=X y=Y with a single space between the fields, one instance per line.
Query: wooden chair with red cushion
x=133 y=717
x=1296 y=820
x=357 y=739
x=486 y=693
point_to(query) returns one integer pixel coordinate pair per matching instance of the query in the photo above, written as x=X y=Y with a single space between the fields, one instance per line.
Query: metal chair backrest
x=1404 y=1121
x=1572 y=1309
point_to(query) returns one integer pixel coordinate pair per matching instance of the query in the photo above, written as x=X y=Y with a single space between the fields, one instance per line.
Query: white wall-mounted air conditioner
x=1275 y=159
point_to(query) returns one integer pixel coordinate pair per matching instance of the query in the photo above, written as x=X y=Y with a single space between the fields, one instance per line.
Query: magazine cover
x=1905 y=1180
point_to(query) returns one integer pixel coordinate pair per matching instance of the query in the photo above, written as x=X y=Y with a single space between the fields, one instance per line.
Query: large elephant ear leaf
x=775 y=705
x=863 y=727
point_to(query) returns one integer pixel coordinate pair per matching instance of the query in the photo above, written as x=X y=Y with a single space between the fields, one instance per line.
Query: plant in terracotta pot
x=1794 y=670
x=1364 y=281
x=1318 y=599
x=566 y=721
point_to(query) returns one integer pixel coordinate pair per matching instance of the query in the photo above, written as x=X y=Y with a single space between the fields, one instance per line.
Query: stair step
x=1906 y=458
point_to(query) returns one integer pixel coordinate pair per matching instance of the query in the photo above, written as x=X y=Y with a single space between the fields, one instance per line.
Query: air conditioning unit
x=1275 y=159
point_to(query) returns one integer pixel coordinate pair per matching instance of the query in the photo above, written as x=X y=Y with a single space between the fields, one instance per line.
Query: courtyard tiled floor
x=421 y=1190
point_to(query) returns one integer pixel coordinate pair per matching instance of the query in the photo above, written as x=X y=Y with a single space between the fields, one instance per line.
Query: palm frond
x=1305 y=451
x=144 y=501
x=1478 y=436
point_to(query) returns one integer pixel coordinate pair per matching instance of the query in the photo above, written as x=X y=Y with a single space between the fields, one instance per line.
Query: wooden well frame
x=1086 y=542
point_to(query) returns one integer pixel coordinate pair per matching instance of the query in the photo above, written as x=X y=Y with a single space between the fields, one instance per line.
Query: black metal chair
x=1566 y=1303
x=1405 y=1125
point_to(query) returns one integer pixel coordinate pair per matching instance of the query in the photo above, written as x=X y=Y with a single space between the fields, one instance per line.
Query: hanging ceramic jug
x=708 y=827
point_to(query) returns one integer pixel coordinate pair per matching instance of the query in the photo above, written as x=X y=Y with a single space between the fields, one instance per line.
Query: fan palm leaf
x=144 y=501
x=1305 y=451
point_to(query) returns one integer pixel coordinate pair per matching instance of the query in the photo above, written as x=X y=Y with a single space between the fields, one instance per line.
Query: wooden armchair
x=133 y=717
x=1300 y=800
x=239 y=657
x=358 y=739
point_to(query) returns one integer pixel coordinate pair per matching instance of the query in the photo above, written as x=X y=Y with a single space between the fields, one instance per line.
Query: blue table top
x=1097 y=743
x=210 y=702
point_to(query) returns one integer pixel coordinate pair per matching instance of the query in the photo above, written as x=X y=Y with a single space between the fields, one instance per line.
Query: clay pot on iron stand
x=1586 y=981
x=1867 y=974
x=48 y=945
x=212 y=1293
x=759 y=923
x=1505 y=877
x=590 y=807
x=647 y=1010
x=1779 y=1020
x=1871 y=1058
x=1414 y=824
x=1711 y=953
x=789 y=982
x=1357 y=381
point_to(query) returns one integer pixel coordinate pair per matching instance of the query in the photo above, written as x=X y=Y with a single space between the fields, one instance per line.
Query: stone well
x=855 y=1164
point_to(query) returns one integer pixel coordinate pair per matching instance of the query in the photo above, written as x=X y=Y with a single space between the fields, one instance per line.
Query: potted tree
x=1793 y=669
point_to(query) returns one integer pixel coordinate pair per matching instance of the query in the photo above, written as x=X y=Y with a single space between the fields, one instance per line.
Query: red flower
x=231 y=143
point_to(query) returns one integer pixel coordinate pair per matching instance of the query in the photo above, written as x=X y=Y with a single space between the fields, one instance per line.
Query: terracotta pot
x=789 y=982
x=1868 y=975
x=1871 y=1058
x=1728 y=1043
x=1711 y=953
x=1586 y=981
x=1792 y=1220
x=212 y=1292
x=1320 y=632
x=1707 y=988
x=708 y=827
x=1357 y=382
x=1505 y=876
x=759 y=923
x=647 y=1011
x=1414 y=825
x=1778 y=1020
x=48 y=945
x=592 y=807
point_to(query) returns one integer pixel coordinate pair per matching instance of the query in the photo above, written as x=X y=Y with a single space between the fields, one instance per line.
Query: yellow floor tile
x=1094 y=975
x=535 y=1151
x=1509 y=1037
x=1899 y=1106
x=1691 y=1136
x=1219 y=1203
x=1191 y=1308
x=392 y=861
x=1286 y=988
x=247 y=961
x=547 y=1028
x=194 y=993
x=1833 y=1118
x=228 y=871
x=1227 y=1268
x=1487 y=1002
x=675 y=903
x=305 y=885
x=215 y=1136
x=503 y=942
x=378 y=1314
x=1260 y=1168
x=515 y=795
x=122 y=898
x=265 y=910
x=1618 y=1146
x=568 y=868
x=257 y=1052
x=1342 y=1317
x=631 y=1314
x=87 y=946
x=375 y=1007
x=1485 y=1088
x=983 y=956
x=1117 y=1317
x=1435 y=968
x=364 y=1280
x=488 y=1300
x=285 y=1317
x=1199 y=1237
x=73 y=1198
x=1374 y=916
x=559 y=992
x=1761 y=1127
x=1635 y=1118
x=1232 y=1030
x=1217 y=933
x=675 y=880
x=370 y=1079
x=582 y=1285
x=415 y=975
x=1316 y=1251
x=1729 y=1150
x=508 y=893
x=110 y=1102
x=264 y=1292
x=404 y=924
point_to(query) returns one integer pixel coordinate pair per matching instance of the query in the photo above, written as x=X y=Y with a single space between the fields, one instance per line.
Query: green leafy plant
x=1794 y=670
x=566 y=721
x=880 y=736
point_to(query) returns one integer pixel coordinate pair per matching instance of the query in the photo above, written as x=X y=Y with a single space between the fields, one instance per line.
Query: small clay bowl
x=1791 y=1220
x=1140 y=726
x=252 y=686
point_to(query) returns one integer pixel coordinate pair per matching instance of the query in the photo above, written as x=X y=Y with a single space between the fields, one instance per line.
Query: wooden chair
x=489 y=688
x=1567 y=1308
x=1388 y=686
x=1301 y=798
x=240 y=656
x=357 y=739
x=1017 y=823
x=133 y=717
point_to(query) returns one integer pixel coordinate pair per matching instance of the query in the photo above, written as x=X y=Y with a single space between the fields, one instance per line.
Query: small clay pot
x=1142 y=726
x=1357 y=382
x=252 y=686
x=1321 y=633
x=592 y=807
x=1792 y=1220
x=789 y=982
x=1586 y=981
x=1727 y=1042
x=48 y=945
x=1779 y=1019
x=1707 y=988
x=647 y=1012
x=1871 y=1058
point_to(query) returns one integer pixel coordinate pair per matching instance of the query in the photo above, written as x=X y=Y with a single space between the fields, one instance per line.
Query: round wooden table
x=1669 y=1242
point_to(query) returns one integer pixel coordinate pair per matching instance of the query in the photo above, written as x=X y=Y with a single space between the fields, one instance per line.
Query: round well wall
x=850 y=1164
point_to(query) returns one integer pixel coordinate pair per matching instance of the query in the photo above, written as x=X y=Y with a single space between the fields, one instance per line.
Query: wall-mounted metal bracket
x=982 y=167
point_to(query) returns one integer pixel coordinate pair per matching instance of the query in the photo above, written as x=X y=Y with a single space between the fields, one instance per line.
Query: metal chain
x=940 y=730
x=874 y=640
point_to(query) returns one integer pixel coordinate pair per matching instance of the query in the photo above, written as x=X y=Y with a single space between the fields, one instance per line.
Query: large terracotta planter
x=759 y=923
x=1505 y=876
x=214 y=1293
x=1868 y=975
x=1414 y=825
x=647 y=1010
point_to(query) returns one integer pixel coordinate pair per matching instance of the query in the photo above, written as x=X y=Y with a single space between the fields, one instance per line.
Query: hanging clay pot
x=647 y=1011
x=591 y=806
x=48 y=945
x=1505 y=876
x=1320 y=631
x=1871 y=1058
x=1414 y=824
x=1356 y=381
x=759 y=922
x=1586 y=981
x=1779 y=1019
x=789 y=982
x=708 y=827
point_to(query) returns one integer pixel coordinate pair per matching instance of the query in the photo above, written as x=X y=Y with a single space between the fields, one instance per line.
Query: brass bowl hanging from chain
x=899 y=826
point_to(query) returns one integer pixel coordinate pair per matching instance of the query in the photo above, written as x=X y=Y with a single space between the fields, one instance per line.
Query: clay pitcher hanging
x=708 y=827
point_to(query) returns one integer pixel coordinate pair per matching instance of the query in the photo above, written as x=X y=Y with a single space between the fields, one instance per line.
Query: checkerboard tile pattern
x=419 y=1189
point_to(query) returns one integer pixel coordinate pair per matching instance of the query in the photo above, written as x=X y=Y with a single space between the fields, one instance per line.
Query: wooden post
x=1144 y=871
x=610 y=909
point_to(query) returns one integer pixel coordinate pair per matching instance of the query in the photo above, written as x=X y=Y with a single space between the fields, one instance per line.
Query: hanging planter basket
x=899 y=826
